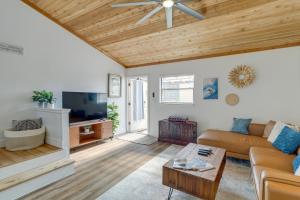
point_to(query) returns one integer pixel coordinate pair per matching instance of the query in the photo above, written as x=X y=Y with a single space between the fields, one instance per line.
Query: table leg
x=170 y=193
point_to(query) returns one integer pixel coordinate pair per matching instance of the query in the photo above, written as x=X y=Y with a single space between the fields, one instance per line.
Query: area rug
x=146 y=182
x=139 y=138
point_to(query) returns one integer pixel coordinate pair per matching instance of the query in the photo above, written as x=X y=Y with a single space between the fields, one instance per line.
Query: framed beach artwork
x=210 y=88
x=114 y=85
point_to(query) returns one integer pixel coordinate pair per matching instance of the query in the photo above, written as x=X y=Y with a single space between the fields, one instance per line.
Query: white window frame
x=175 y=103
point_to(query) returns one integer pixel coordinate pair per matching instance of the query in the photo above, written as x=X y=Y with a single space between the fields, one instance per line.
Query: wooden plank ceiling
x=231 y=26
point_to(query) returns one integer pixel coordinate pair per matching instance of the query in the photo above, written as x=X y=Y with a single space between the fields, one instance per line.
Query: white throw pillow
x=297 y=128
x=276 y=131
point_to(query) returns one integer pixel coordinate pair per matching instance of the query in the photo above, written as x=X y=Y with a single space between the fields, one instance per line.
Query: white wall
x=274 y=95
x=53 y=59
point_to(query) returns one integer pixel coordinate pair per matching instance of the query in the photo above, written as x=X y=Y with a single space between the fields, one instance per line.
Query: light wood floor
x=9 y=158
x=99 y=168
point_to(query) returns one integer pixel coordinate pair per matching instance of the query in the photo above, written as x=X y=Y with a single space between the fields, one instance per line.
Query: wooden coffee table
x=199 y=184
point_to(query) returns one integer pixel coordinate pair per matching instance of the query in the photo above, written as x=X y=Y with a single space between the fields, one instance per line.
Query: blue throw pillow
x=288 y=140
x=296 y=165
x=241 y=125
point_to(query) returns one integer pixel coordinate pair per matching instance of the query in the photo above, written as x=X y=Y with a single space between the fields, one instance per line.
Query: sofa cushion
x=241 y=125
x=232 y=142
x=285 y=185
x=256 y=129
x=288 y=140
x=272 y=158
x=28 y=124
x=268 y=129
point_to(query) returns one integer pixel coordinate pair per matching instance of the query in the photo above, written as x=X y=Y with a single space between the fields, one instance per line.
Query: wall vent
x=11 y=48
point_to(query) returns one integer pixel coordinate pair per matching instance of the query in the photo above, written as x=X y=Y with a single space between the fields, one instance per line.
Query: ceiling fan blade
x=150 y=14
x=117 y=5
x=169 y=17
x=189 y=11
x=182 y=1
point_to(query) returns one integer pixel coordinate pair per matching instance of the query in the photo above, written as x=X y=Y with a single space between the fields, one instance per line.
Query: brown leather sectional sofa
x=272 y=169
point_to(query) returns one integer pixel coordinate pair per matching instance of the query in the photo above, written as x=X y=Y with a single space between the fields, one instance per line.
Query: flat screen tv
x=85 y=106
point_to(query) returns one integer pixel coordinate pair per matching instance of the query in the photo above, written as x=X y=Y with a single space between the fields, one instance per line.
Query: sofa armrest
x=276 y=184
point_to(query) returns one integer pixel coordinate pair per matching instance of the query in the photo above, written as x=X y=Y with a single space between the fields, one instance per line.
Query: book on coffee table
x=196 y=164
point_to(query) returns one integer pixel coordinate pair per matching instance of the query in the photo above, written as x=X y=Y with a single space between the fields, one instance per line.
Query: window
x=177 y=89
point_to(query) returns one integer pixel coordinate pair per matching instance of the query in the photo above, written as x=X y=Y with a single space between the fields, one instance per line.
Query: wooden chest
x=177 y=132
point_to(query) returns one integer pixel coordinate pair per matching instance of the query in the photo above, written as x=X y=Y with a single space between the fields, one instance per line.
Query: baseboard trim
x=2 y=143
x=54 y=142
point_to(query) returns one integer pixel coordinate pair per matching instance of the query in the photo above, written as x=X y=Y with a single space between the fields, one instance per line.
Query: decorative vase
x=51 y=105
x=86 y=130
x=43 y=104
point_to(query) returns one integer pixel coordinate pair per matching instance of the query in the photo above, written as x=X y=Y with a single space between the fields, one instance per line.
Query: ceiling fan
x=167 y=4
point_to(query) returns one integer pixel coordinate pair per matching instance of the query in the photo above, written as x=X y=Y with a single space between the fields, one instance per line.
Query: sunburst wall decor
x=242 y=76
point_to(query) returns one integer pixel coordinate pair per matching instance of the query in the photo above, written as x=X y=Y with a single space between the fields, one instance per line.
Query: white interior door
x=137 y=104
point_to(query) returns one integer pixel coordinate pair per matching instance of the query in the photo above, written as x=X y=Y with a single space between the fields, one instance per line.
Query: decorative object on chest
x=178 y=118
x=177 y=131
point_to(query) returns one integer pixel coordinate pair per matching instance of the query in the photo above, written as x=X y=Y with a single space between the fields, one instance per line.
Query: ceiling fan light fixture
x=168 y=3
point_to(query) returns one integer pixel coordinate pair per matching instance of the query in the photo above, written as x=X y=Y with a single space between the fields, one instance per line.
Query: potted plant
x=113 y=115
x=43 y=98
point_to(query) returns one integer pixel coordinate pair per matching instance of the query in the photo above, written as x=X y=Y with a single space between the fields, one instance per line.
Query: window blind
x=177 y=89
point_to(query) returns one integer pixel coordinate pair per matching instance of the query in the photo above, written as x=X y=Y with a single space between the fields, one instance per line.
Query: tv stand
x=99 y=130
